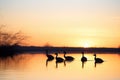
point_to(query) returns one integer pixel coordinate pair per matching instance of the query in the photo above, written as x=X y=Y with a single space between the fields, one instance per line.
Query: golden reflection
x=33 y=66
x=13 y=62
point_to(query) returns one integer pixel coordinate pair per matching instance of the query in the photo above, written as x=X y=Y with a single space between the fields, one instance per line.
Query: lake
x=34 y=66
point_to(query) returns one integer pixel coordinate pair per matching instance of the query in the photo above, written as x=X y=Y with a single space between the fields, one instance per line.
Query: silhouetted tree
x=11 y=39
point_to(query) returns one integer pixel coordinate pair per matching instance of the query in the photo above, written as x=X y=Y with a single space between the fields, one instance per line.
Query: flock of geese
x=70 y=58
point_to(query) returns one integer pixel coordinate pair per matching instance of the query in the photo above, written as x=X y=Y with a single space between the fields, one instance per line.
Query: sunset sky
x=77 y=23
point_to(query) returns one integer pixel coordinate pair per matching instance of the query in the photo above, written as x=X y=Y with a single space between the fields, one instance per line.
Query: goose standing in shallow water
x=98 y=60
x=83 y=59
x=68 y=58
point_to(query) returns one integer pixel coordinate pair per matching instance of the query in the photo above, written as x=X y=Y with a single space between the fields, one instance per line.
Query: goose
x=58 y=59
x=98 y=60
x=49 y=57
x=68 y=58
x=83 y=59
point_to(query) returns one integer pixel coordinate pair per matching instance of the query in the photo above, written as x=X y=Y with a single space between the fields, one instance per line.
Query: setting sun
x=62 y=37
x=77 y=23
x=86 y=45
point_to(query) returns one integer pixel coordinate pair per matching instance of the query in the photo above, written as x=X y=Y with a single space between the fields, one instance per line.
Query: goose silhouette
x=68 y=58
x=83 y=59
x=98 y=60
x=49 y=58
x=58 y=59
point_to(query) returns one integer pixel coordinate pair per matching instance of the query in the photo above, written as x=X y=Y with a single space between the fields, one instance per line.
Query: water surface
x=35 y=67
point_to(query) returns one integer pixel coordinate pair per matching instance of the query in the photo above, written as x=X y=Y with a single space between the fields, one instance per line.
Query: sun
x=86 y=45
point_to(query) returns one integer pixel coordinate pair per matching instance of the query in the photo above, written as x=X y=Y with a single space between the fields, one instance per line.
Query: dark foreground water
x=35 y=67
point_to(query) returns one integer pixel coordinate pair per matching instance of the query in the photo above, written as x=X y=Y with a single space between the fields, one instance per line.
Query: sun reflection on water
x=33 y=66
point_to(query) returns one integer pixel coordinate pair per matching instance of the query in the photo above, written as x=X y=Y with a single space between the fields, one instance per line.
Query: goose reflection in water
x=97 y=60
x=83 y=59
x=83 y=64
x=58 y=60
x=49 y=58
x=47 y=61
x=95 y=64
x=57 y=63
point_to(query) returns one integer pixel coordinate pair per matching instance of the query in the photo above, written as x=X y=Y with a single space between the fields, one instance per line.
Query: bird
x=98 y=60
x=68 y=58
x=83 y=59
x=59 y=59
x=49 y=57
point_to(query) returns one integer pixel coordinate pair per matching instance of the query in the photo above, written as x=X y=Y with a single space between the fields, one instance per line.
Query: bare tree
x=10 y=39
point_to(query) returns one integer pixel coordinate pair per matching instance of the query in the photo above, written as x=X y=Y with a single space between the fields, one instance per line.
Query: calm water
x=34 y=67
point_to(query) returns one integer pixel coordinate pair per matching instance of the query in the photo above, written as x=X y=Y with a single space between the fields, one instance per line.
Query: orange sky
x=64 y=23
